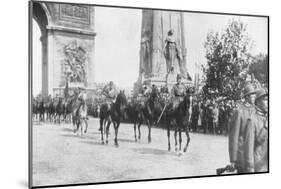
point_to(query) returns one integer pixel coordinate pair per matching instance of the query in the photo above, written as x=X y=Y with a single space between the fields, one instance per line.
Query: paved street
x=61 y=157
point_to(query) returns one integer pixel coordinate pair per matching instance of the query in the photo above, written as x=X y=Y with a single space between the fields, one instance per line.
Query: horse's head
x=121 y=100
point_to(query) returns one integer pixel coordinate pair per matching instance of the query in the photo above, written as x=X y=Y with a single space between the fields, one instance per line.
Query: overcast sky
x=118 y=42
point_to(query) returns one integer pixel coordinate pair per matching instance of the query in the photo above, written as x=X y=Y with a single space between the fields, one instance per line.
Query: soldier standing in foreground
x=256 y=137
x=237 y=127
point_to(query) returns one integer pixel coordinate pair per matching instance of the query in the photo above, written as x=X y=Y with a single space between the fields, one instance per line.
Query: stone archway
x=68 y=40
x=40 y=16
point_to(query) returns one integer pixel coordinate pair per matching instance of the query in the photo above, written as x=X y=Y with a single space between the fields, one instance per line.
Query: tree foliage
x=228 y=59
x=259 y=68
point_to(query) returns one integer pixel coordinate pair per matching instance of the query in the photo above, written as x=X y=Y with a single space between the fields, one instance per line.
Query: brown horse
x=136 y=116
x=113 y=115
x=179 y=119
x=145 y=110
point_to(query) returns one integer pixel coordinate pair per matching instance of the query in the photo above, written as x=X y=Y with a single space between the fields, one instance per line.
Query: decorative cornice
x=71 y=30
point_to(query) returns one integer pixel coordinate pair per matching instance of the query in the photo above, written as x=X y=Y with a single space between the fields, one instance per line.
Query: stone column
x=44 y=42
x=155 y=42
x=50 y=62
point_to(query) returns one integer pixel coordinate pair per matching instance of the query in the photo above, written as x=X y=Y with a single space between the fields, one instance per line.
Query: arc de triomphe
x=68 y=41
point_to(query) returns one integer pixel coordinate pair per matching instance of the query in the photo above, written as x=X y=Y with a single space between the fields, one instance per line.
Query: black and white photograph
x=123 y=94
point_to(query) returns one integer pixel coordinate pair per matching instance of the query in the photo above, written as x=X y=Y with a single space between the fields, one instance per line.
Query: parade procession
x=177 y=103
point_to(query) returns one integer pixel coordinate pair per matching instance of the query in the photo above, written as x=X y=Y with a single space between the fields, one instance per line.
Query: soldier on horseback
x=79 y=97
x=145 y=89
x=110 y=93
x=177 y=93
x=79 y=110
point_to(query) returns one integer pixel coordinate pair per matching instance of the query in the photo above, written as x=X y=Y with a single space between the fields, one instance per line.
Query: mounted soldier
x=178 y=92
x=79 y=98
x=110 y=92
x=81 y=95
x=145 y=89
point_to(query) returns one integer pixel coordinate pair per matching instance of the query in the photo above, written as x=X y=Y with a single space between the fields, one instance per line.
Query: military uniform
x=177 y=93
x=237 y=129
x=110 y=93
x=82 y=97
x=256 y=139
x=256 y=143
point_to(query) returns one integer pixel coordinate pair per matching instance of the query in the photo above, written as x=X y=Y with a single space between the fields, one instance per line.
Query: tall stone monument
x=68 y=41
x=162 y=48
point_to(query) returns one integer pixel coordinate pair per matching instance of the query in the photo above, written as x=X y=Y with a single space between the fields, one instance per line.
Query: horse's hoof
x=116 y=145
x=184 y=150
x=179 y=153
x=102 y=142
x=106 y=141
x=136 y=140
x=169 y=149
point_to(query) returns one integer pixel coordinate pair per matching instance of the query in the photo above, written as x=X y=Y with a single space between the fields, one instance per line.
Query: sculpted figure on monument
x=75 y=57
x=145 y=54
x=172 y=54
x=171 y=51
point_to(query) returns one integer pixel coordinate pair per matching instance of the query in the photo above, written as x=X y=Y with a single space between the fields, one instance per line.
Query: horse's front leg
x=168 y=134
x=176 y=140
x=107 y=130
x=180 y=140
x=135 y=125
x=86 y=125
x=77 y=125
x=116 y=125
x=139 y=125
x=149 y=131
x=187 y=138
x=101 y=129
x=55 y=117
x=81 y=126
x=73 y=122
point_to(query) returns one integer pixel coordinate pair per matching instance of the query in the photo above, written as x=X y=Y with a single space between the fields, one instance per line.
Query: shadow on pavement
x=152 y=151
x=95 y=133
x=72 y=135
x=94 y=143
x=68 y=129
x=126 y=140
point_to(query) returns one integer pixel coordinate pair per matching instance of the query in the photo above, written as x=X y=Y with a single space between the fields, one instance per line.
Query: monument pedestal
x=162 y=49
